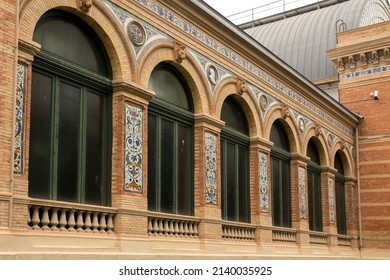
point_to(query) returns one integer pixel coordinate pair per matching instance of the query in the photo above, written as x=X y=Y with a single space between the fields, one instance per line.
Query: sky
x=247 y=10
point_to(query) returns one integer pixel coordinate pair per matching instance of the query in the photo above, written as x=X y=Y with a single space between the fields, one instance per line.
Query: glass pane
x=233 y=116
x=279 y=137
x=152 y=160
x=338 y=164
x=244 y=204
x=94 y=149
x=184 y=171
x=65 y=36
x=167 y=166
x=286 y=193
x=312 y=153
x=168 y=87
x=277 y=205
x=68 y=142
x=231 y=183
x=40 y=136
x=340 y=208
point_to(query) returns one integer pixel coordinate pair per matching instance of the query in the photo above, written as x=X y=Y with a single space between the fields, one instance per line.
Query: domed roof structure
x=301 y=40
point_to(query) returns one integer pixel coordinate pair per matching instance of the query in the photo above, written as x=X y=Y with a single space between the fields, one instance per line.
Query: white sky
x=263 y=7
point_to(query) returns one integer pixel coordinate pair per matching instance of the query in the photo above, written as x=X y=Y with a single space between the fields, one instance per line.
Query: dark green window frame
x=314 y=196
x=70 y=122
x=170 y=145
x=340 y=196
x=235 y=176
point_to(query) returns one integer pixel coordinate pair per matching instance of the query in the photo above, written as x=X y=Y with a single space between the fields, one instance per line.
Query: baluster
x=110 y=223
x=196 y=232
x=160 y=227
x=172 y=228
x=80 y=221
x=102 y=223
x=150 y=226
x=177 y=228
x=71 y=220
x=45 y=218
x=54 y=219
x=186 y=231
x=191 y=230
x=28 y=215
x=88 y=221
x=181 y=228
x=155 y=226
x=95 y=222
x=63 y=222
x=166 y=227
x=35 y=218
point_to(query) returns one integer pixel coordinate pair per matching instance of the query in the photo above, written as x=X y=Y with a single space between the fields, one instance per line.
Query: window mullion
x=158 y=163
x=237 y=184
x=82 y=146
x=175 y=175
x=54 y=138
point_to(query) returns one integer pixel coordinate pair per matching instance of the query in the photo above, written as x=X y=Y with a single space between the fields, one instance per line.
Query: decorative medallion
x=263 y=102
x=263 y=162
x=302 y=192
x=212 y=74
x=211 y=171
x=330 y=139
x=331 y=200
x=19 y=119
x=136 y=33
x=133 y=148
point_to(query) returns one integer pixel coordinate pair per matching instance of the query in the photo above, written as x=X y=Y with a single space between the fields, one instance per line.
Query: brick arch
x=164 y=52
x=288 y=124
x=98 y=18
x=346 y=158
x=247 y=102
x=321 y=145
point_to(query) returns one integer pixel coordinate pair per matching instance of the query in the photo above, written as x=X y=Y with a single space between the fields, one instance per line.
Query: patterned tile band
x=367 y=72
x=133 y=148
x=302 y=192
x=211 y=168
x=210 y=42
x=331 y=201
x=19 y=119
x=263 y=161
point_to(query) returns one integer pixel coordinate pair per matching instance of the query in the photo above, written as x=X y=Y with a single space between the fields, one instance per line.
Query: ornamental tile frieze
x=205 y=39
x=263 y=163
x=302 y=192
x=331 y=200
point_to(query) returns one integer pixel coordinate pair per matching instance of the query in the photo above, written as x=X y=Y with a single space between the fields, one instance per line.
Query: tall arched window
x=314 y=187
x=340 y=195
x=70 y=126
x=280 y=176
x=170 y=143
x=235 y=163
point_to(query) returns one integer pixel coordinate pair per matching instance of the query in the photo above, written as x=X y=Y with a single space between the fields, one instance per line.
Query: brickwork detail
x=133 y=148
x=19 y=119
x=302 y=193
x=263 y=163
x=211 y=170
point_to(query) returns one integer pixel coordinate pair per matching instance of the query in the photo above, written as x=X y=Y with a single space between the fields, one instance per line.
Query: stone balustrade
x=57 y=216
x=238 y=232
x=173 y=226
x=344 y=241
x=284 y=235
x=318 y=238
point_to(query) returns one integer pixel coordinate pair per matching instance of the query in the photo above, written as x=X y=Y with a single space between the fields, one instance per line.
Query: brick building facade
x=168 y=132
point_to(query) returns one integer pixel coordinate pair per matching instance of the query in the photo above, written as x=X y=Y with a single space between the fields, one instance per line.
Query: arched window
x=70 y=126
x=280 y=176
x=235 y=163
x=314 y=187
x=170 y=143
x=340 y=195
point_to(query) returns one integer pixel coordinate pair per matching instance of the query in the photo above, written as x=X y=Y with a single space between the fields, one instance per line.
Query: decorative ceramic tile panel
x=263 y=163
x=19 y=119
x=302 y=192
x=133 y=148
x=211 y=171
x=205 y=39
x=331 y=200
